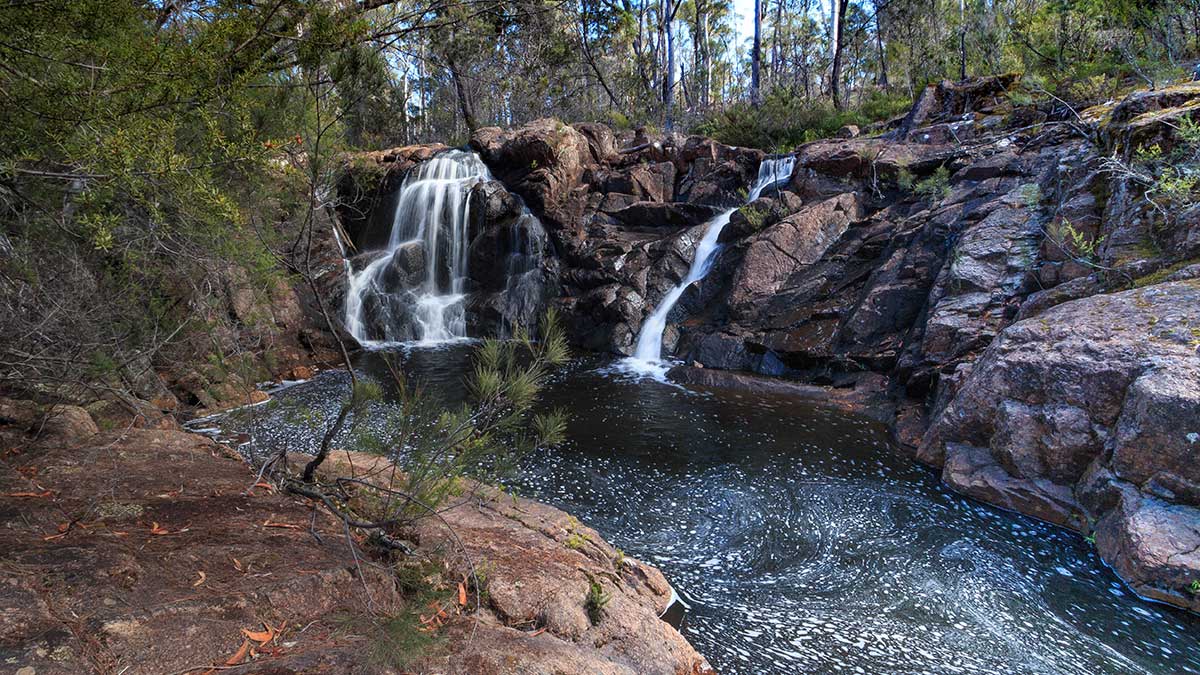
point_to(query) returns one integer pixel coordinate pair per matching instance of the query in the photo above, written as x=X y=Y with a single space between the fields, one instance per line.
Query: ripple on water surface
x=804 y=545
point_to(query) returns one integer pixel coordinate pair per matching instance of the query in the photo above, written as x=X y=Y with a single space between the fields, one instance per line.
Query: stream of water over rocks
x=801 y=541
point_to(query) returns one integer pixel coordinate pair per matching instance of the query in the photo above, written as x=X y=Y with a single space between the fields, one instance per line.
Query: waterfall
x=649 y=343
x=523 y=288
x=415 y=288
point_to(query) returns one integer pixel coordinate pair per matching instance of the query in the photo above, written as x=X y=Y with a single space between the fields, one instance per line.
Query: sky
x=744 y=9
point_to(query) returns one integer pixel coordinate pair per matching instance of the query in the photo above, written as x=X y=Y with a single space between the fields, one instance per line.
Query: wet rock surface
x=621 y=216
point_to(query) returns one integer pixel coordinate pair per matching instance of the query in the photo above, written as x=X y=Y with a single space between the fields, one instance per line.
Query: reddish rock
x=542 y=161
x=1092 y=397
x=799 y=239
x=300 y=373
x=152 y=553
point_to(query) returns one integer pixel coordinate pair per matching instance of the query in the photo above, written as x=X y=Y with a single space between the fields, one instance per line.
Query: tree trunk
x=756 y=56
x=962 y=39
x=584 y=31
x=776 y=47
x=669 y=76
x=883 y=73
x=464 y=99
x=705 y=61
x=835 y=70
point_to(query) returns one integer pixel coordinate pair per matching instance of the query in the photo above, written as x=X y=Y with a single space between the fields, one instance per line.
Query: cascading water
x=523 y=288
x=648 y=351
x=415 y=289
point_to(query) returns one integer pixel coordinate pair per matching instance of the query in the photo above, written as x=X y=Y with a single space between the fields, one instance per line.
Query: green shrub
x=1073 y=241
x=596 y=600
x=785 y=120
x=934 y=187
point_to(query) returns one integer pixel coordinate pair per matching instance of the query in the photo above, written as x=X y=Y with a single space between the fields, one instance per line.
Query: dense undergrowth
x=785 y=120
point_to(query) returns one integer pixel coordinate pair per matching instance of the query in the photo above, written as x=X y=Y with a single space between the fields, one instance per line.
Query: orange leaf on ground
x=240 y=655
x=462 y=594
x=203 y=578
x=538 y=632
x=262 y=637
x=35 y=495
x=63 y=529
x=159 y=530
x=268 y=523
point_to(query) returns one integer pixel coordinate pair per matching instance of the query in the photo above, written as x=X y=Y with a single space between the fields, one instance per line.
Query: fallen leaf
x=538 y=632
x=158 y=530
x=203 y=577
x=240 y=655
x=462 y=594
x=261 y=637
x=268 y=523
x=63 y=529
x=36 y=495
x=237 y=564
x=266 y=486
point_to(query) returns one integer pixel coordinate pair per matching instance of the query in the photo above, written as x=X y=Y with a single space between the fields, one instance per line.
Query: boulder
x=407 y=267
x=542 y=161
x=774 y=254
x=601 y=142
x=1154 y=546
x=1097 y=396
x=490 y=203
x=946 y=99
x=874 y=158
x=59 y=424
x=760 y=214
x=716 y=174
x=659 y=214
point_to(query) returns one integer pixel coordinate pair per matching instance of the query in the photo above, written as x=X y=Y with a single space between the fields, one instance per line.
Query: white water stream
x=647 y=356
x=431 y=223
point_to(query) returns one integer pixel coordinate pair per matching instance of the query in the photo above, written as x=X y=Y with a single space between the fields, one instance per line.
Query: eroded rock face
x=1088 y=415
x=621 y=219
x=796 y=240
x=542 y=161
x=367 y=190
x=968 y=227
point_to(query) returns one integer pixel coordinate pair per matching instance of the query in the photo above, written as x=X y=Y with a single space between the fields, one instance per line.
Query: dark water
x=804 y=545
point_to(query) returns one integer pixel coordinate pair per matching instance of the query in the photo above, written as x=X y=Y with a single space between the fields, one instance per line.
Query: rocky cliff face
x=620 y=218
x=1026 y=301
x=623 y=215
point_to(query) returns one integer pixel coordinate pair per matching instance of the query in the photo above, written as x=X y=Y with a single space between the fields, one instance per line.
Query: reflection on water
x=802 y=543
